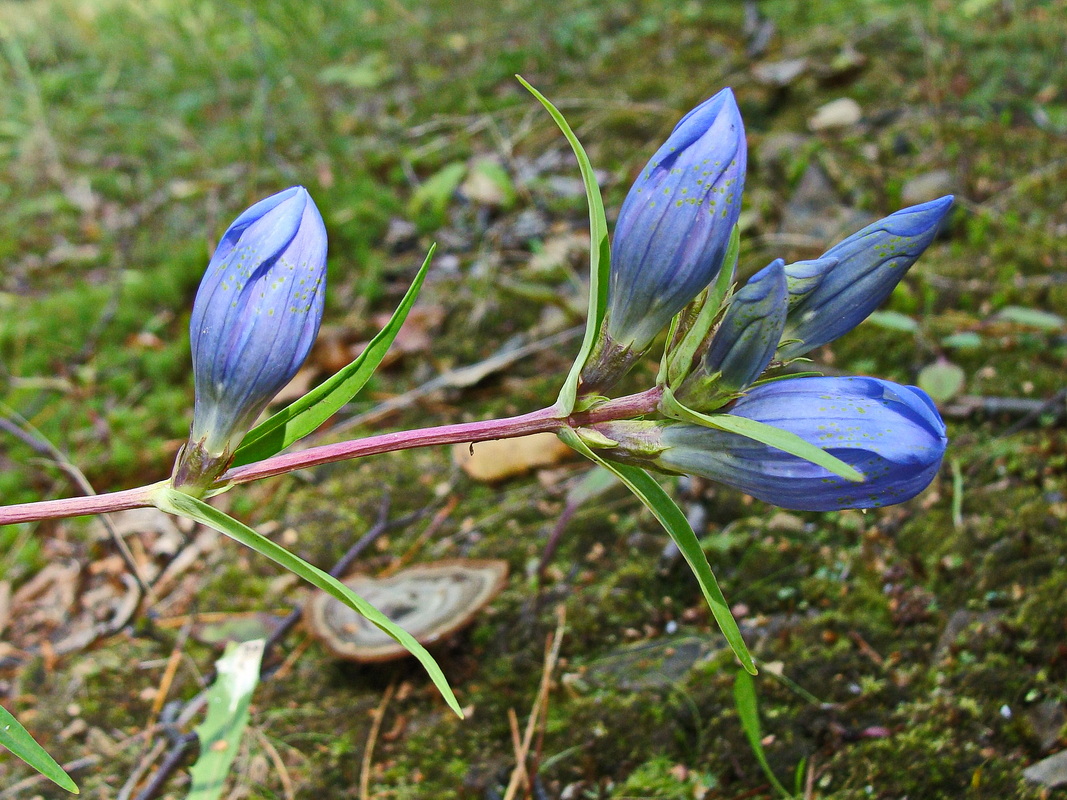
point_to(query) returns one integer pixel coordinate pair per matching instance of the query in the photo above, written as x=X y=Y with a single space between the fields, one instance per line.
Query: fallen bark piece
x=430 y=601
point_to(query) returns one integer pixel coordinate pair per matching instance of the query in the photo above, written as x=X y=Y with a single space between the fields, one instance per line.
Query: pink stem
x=76 y=506
x=546 y=420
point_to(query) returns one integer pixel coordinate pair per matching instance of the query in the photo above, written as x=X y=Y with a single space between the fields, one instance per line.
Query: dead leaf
x=505 y=458
x=557 y=251
x=416 y=334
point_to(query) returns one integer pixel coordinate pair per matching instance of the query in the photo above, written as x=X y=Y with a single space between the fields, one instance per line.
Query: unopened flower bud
x=892 y=434
x=870 y=263
x=743 y=344
x=803 y=277
x=672 y=232
x=255 y=317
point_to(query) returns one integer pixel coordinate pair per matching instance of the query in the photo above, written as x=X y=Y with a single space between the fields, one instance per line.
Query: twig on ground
x=433 y=527
x=279 y=764
x=1028 y=409
x=20 y=428
x=516 y=746
x=372 y=739
x=1056 y=405
x=144 y=763
x=455 y=378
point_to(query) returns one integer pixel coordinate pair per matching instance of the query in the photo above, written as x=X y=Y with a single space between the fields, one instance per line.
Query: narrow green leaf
x=226 y=718
x=748 y=712
x=673 y=520
x=18 y=740
x=1031 y=318
x=798 y=777
x=309 y=412
x=764 y=433
x=893 y=321
x=599 y=254
x=174 y=502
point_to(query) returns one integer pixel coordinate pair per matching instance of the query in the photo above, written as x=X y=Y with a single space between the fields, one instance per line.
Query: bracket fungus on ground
x=430 y=601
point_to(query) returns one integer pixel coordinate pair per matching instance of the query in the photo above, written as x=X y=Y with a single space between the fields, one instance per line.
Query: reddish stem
x=547 y=420
x=76 y=506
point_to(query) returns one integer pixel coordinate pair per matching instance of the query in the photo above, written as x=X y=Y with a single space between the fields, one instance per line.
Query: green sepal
x=599 y=255
x=172 y=501
x=787 y=376
x=760 y=432
x=305 y=415
x=674 y=522
x=595 y=438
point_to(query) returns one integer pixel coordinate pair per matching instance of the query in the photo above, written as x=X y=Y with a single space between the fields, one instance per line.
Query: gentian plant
x=722 y=405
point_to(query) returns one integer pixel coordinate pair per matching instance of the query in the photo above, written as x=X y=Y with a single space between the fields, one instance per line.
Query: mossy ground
x=130 y=134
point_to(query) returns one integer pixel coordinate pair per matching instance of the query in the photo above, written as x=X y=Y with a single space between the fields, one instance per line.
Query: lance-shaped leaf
x=172 y=501
x=599 y=255
x=18 y=740
x=674 y=522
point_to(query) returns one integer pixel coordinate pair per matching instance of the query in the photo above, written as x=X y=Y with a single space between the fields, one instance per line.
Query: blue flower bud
x=674 y=226
x=255 y=317
x=803 y=277
x=870 y=263
x=890 y=433
x=743 y=344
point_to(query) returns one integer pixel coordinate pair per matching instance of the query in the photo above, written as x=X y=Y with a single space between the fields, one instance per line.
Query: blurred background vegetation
x=132 y=133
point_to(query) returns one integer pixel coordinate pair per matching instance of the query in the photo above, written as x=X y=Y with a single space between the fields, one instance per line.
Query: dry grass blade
x=552 y=646
x=372 y=738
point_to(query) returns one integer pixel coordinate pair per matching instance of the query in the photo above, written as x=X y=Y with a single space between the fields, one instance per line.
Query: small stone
x=928 y=186
x=401 y=234
x=1046 y=720
x=780 y=73
x=785 y=523
x=841 y=113
x=651 y=665
x=1050 y=772
x=815 y=211
x=781 y=148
